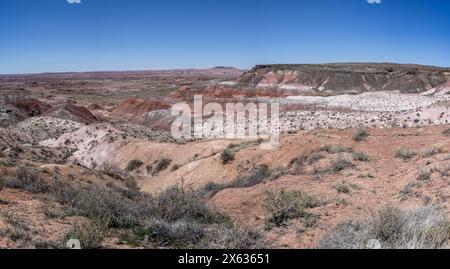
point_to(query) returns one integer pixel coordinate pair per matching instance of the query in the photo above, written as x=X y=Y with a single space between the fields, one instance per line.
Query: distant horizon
x=213 y=67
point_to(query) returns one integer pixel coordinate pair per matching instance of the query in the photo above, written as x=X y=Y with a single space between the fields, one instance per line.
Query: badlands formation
x=91 y=156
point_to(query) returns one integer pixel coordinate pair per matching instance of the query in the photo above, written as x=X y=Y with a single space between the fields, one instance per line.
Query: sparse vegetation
x=326 y=148
x=342 y=187
x=161 y=165
x=360 y=157
x=227 y=156
x=424 y=174
x=254 y=178
x=430 y=152
x=175 y=167
x=342 y=149
x=360 y=135
x=408 y=188
x=315 y=157
x=446 y=132
x=27 y=178
x=111 y=169
x=443 y=170
x=405 y=153
x=423 y=228
x=17 y=228
x=134 y=165
x=282 y=206
x=90 y=234
x=340 y=163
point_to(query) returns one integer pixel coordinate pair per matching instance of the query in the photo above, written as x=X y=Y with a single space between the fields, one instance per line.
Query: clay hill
x=342 y=78
x=71 y=112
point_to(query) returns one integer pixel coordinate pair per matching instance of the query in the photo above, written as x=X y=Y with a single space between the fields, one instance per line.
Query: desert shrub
x=430 y=152
x=27 y=178
x=408 y=188
x=446 y=132
x=405 y=153
x=282 y=206
x=17 y=228
x=224 y=237
x=423 y=228
x=326 y=148
x=315 y=157
x=424 y=174
x=360 y=157
x=443 y=170
x=296 y=164
x=360 y=134
x=227 y=156
x=211 y=189
x=90 y=234
x=134 y=165
x=176 y=204
x=257 y=176
x=340 y=163
x=99 y=202
x=342 y=187
x=161 y=165
x=342 y=149
x=111 y=169
x=180 y=233
x=175 y=167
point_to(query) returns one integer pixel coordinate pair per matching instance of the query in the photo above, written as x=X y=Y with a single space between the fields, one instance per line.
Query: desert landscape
x=363 y=160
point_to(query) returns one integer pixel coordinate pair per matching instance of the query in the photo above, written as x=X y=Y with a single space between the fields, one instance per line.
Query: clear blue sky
x=53 y=35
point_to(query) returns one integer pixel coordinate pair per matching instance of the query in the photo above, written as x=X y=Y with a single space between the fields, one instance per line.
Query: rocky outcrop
x=14 y=109
x=331 y=79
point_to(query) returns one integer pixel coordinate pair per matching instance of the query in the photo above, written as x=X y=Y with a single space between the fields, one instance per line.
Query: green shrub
x=134 y=165
x=227 y=156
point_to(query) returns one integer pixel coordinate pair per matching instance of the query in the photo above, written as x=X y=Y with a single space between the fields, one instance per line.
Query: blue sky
x=53 y=35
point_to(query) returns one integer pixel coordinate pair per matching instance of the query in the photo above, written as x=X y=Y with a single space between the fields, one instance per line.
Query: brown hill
x=71 y=112
x=135 y=107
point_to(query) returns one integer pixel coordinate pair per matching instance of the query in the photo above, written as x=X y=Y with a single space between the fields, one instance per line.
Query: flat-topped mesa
x=342 y=78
